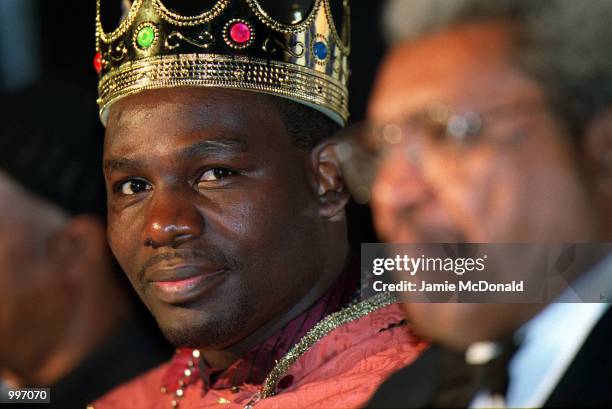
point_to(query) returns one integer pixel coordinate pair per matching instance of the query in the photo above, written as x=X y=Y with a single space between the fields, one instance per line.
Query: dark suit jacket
x=439 y=378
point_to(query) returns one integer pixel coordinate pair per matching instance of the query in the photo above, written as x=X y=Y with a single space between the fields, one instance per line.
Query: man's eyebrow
x=118 y=164
x=222 y=146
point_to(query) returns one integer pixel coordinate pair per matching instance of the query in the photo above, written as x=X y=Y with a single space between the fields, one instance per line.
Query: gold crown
x=297 y=49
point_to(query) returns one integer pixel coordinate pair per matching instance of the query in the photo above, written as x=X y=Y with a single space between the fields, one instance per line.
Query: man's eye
x=214 y=174
x=133 y=187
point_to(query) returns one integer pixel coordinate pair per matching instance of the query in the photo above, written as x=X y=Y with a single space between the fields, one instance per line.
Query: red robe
x=357 y=349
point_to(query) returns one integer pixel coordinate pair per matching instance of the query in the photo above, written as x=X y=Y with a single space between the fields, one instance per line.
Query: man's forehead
x=454 y=66
x=169 y=118
x=189 y=109
x=169 y=124
x=183 y=107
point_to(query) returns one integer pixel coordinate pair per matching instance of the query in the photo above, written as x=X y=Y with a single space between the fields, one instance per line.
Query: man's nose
x=172 y=219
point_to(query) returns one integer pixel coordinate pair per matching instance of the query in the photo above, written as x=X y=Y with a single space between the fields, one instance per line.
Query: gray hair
x=566 y=44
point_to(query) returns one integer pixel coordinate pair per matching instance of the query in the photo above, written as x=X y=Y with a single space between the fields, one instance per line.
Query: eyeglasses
x=362 y=148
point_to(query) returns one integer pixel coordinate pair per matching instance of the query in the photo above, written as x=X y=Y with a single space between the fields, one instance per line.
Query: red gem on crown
x=240 y=32
x=97 y=62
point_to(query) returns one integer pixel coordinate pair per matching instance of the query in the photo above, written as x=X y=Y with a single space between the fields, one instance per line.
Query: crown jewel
x=297 y=49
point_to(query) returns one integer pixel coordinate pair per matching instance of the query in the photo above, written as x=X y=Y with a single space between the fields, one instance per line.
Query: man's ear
x=329 y=183
x=79 y=248
x=598 y=153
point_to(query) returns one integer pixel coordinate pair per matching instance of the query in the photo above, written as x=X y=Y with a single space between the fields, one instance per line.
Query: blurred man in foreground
x=497 y=127
x=65 y=318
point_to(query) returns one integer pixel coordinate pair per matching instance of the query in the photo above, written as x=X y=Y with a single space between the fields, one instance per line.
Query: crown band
x=224 y=71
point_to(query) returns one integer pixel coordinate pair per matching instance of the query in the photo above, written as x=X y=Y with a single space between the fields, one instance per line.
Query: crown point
x=97 y=62
x=240 y=32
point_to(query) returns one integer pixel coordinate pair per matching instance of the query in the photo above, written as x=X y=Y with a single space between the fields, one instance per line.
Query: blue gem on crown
x=320 y=50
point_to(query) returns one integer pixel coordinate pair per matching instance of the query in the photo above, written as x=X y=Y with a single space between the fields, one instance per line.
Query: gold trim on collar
x=323 y=328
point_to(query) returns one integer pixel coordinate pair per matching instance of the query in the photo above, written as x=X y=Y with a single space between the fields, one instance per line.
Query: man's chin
x=185 y=337
x=196 y=328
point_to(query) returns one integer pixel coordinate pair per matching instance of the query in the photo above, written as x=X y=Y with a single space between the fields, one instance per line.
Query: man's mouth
x=183 y=282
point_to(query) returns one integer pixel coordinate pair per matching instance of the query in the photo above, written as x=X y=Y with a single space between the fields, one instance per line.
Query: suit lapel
x=588 y=380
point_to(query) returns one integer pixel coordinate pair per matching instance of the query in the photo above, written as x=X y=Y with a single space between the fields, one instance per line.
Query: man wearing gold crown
x=226 y=204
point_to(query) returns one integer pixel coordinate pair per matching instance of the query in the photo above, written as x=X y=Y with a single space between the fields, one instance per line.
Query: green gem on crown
x=146 y=37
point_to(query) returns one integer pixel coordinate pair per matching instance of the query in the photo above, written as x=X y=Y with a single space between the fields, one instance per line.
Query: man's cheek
x=113 y=243
x=257 y=221
x=387 y=223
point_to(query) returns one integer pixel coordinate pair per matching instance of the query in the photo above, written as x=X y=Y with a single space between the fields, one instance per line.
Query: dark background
x=49 y=39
